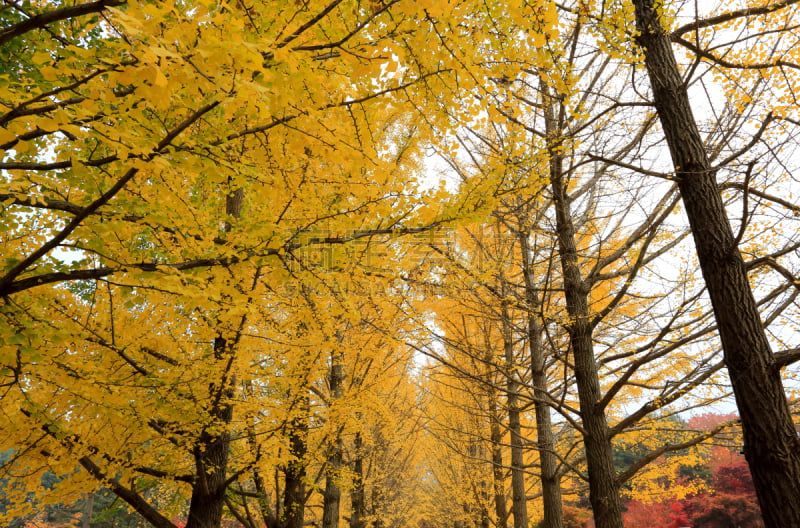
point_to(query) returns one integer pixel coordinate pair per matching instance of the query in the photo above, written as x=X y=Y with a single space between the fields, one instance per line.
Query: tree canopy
x=389 y=263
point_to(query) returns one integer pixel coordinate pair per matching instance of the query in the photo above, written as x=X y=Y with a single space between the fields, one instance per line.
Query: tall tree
x=127 y=129
x=771 y=444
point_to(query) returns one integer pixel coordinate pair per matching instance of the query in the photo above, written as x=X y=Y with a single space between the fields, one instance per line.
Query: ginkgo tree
x=207 y=293
x=771 y=444
x=168 y=169
x=603 y=283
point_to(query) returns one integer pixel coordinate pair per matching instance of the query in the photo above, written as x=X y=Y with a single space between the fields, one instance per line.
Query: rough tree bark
x=519 y=504
x=332 y=494
x=211 y=449
x=548 y=463
x=498 y=471
x=294 y=494
x=358 y=503
x=771 y=445
x=211 y=454
x=603 y=485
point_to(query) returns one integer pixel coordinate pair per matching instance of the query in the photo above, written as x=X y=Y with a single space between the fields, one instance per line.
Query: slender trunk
x=519 y=504
x=211 y=448
x=294 y=491
x=603 y=486
x=88 y=510
x=211 y=454
x=278 y=496
x=771 y=445
x=376 y=507
x=269 y=519
x=483 y=492
x=545 y=440
x=498 y=477
x=332 y=495
x=485 y=521
x=358 y=504
x=480 y=514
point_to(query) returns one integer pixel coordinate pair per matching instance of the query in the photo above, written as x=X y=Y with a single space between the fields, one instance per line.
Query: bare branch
x=702 y=23
x=56 y=15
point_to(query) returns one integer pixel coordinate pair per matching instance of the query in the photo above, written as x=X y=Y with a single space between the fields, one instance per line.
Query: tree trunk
x=771 y=444
x=294 y=492
x=519 y=504
x=479 y=515
x=551 y=481
x=269 y=519
x=603 y=486
x=211 y=453
x=211 y=449
x=88 y=510
x=377 y=507
x=482 y=520
x=332 y=495
x=358 y=504
x=498 y=477
x=485 y=521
